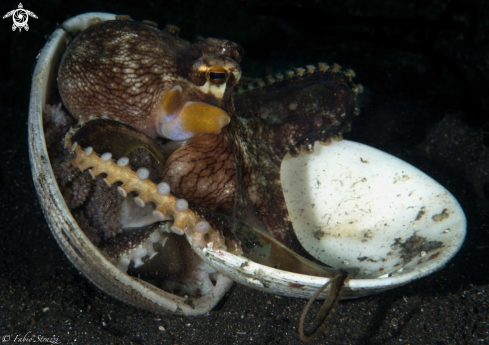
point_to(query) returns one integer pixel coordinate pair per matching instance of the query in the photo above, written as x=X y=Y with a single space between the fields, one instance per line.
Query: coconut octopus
x=170 y=142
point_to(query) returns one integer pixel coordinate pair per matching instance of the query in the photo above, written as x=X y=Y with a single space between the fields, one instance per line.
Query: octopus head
x=195 y=106
x=149 y=79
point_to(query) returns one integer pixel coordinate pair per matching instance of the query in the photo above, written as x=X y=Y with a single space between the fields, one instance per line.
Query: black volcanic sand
x=425 y=68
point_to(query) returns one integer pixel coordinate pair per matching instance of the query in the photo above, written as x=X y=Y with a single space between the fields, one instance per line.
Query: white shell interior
x=356 y=206
x=361 y=209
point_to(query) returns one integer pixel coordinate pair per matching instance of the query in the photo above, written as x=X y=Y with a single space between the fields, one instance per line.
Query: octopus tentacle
x=184 y=220
x=140 y=245
x=203 y=171
x=305 y=105
x=284 y=114
x=259 y=197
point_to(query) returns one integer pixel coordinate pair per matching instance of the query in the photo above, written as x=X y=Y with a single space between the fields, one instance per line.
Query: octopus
x=167 y=139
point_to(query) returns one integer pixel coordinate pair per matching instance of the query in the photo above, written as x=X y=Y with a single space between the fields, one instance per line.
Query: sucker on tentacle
x=310 y=104
x=184 y=220
x=290 y=74
x=139 y=250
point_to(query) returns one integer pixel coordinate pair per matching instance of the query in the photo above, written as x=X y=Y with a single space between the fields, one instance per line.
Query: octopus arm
x=315 y=106
x=259 y=198
x=286 y=116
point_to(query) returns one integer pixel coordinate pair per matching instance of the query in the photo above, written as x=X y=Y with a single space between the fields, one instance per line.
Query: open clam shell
x=363 y=210
x=79 y=249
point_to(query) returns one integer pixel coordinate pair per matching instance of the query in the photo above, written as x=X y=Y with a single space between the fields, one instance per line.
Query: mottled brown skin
x=237 y=172
x=204 y=172
x=267 y=128
x=121 y=69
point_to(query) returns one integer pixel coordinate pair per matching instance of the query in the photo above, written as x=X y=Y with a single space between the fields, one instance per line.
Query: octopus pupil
x=217 y=75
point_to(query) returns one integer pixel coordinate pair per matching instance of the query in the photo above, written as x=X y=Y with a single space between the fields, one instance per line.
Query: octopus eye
x=217 y=75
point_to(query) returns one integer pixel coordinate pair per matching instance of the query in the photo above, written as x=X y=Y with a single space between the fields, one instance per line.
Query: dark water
x=425 y=69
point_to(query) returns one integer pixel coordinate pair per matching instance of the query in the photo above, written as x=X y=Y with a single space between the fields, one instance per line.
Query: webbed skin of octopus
x=122 y=70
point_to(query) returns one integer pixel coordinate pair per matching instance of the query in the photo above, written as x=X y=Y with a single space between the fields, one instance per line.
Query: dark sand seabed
x=425 y=68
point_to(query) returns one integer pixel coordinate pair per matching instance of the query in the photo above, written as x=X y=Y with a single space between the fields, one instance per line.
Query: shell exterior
x=81 y=252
